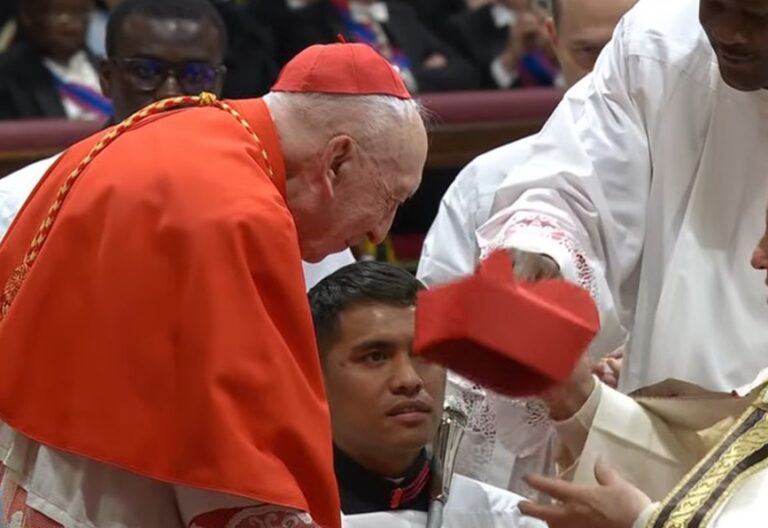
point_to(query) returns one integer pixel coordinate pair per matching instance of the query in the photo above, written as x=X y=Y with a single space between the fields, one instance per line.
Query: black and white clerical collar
x=363 y=491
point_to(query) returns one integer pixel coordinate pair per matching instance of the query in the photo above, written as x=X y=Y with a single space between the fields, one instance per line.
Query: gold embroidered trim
x=742 y=453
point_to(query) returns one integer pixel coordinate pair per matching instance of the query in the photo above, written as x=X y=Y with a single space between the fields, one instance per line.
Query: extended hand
x=522 y=37
x=566 y=399
x=608 y=369
x=534 y=266
x=612 y=503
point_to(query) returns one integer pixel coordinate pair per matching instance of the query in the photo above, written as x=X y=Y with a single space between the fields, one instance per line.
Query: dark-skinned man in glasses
x=155 y=49
x=161 y=49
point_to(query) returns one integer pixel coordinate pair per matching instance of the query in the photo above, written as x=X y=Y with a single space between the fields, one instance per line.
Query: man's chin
x=315 y=255
x=741 y=79
x=410 y=440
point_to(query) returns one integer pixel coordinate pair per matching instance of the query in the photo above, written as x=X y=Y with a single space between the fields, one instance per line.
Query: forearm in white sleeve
x=450 y=250
x=650 y=453
x=581 y=195
x=574 y=431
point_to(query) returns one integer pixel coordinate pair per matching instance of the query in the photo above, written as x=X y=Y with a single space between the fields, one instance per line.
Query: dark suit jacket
x=8 y=10
x=319 y=23
x=435 y=13
x=476 y=35
x=250 y=60
x=27 y=88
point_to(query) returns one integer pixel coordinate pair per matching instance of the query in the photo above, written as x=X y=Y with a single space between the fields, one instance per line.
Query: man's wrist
x=573 y=400
x=574 y=423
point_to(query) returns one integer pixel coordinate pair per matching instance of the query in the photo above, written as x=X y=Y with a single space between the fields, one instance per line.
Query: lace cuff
x=538 y=233
x=505 y=438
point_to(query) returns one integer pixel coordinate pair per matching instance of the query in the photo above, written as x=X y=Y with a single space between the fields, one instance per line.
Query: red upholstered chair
x=492 y=106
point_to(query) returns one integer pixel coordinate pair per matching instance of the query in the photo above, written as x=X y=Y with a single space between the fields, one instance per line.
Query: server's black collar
x=363 y=491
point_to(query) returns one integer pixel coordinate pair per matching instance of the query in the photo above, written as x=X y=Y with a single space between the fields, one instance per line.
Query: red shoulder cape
x=164 y=327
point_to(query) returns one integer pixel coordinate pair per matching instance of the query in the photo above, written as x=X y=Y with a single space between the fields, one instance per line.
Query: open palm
x=612 y=503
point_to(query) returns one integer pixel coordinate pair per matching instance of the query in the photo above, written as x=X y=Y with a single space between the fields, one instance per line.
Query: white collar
x=502 y=15
x=377 y=11
x=78 y=65
x=293 y=5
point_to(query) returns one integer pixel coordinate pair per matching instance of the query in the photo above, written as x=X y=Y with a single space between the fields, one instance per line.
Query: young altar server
x=386 y=406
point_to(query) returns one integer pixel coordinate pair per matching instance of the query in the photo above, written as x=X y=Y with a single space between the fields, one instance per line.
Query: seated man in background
x=491 y=452
x=250 y=54
x=424 y=61
x=386 y=406
x=157 y=49
x=48 y=72
x=506 y=40
x=702 y=454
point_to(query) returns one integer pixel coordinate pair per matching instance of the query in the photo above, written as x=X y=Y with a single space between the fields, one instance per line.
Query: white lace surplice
x=505 y=438
x=42 y=487
x=649 y=182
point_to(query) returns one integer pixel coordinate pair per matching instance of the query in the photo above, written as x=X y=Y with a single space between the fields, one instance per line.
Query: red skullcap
x=342 y=69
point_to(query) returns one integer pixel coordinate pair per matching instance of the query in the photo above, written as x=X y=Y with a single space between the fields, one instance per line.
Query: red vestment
x=164 y=327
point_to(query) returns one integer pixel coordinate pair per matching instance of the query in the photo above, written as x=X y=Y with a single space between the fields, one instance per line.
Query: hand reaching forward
x=534 y=266
x=608 y=369
x=612 y=503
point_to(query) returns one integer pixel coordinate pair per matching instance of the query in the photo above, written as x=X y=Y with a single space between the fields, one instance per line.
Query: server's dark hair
x=354 y=285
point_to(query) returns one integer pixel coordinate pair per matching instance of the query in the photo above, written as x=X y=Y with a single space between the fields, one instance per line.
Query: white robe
x=471 y=504
x=16 y=188
x=315 y=272
x=505 y=438
x=648 y=187
x=450 y=248
x=654 y=441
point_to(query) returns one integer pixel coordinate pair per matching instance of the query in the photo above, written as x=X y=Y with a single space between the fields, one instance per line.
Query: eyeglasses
x=148 y=75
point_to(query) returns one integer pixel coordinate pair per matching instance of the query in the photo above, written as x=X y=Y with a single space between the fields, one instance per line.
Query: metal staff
x=445 y=447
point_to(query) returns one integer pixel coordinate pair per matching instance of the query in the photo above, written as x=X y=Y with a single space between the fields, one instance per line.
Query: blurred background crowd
x=437 y=45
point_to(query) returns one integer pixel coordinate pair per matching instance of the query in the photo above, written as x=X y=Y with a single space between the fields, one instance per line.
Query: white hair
x=364 y=117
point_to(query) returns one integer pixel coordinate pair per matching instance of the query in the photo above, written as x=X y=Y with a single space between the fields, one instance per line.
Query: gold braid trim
x=700 y=495
x=14 y=283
